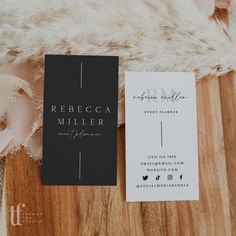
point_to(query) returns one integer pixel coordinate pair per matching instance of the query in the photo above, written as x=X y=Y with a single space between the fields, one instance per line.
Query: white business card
x=161 y=137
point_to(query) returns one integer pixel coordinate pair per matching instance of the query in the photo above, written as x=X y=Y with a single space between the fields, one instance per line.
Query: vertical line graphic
x=80 y=159
x=81 y=86
x=161 y=135
x=81 y=75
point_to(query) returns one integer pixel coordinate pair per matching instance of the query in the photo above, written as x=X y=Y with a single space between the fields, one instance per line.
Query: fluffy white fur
x=147 y=35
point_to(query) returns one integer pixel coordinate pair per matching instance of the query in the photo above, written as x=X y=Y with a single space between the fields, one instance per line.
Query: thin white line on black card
x=80 y=162
x=81 y=75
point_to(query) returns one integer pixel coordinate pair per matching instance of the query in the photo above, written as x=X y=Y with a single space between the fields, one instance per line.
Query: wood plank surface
x=228 y=106
x=73 y=211
x=214 y=216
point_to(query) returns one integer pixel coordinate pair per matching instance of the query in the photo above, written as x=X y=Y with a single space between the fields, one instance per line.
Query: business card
x=161 y=137
x=80 y=120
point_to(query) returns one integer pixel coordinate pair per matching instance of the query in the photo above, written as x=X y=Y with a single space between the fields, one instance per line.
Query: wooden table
x=71 y=211
x=85 y=211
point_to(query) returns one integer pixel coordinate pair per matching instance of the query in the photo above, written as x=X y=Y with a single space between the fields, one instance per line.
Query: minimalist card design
x=161 y=137
x=80 y=120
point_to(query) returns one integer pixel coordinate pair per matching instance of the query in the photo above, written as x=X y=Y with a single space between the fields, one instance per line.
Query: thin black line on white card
x=161 y=135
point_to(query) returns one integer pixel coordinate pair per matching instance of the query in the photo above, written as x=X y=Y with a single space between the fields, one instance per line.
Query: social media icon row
x=169 y=177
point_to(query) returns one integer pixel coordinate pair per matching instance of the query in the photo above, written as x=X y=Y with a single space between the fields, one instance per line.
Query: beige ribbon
x=20 y=117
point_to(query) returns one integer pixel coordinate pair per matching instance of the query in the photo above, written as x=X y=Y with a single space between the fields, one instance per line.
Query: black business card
x=80 y=120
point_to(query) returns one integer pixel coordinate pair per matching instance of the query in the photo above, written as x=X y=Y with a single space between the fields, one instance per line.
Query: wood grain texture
x=102 y=211
x=214 y=216
x=228 y=106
